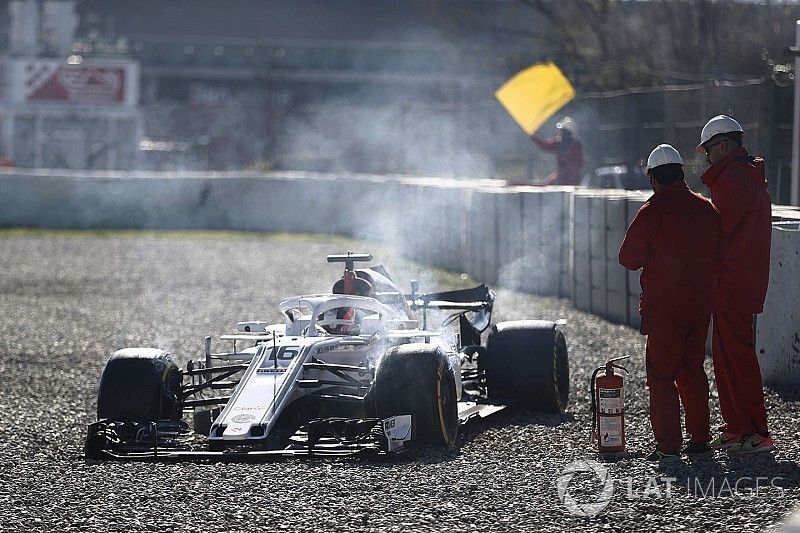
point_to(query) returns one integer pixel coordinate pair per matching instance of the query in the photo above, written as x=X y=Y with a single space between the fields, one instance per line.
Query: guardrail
x=553 y=241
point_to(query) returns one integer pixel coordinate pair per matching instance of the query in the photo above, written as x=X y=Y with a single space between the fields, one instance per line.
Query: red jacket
x=739 y=192
x=675 y=240
x=569 y=161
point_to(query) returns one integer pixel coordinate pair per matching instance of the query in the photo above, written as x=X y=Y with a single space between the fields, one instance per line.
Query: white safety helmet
x=663 y=154
x=715 y=126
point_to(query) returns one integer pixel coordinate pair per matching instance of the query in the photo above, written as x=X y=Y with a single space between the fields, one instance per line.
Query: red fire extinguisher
x=608 y=408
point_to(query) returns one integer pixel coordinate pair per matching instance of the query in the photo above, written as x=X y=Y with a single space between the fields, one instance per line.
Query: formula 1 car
x=359 y=371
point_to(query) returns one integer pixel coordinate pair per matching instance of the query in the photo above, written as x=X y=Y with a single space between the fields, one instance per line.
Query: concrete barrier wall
x=601 y=286
x=778 y=327
x=555 y=241
x=633 y=203
x=518 y=237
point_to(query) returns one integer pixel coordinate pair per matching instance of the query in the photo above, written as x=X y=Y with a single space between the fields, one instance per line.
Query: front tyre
x=140 y=385
x=417 y=379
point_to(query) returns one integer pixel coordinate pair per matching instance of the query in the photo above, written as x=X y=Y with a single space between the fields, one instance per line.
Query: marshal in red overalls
x=674 y=239
x=739 y=192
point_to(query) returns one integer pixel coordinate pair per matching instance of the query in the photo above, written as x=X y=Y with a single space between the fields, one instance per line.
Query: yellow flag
x=534 y=95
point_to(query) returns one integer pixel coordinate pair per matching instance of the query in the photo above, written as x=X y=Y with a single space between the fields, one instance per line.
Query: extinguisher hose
x=593 y=404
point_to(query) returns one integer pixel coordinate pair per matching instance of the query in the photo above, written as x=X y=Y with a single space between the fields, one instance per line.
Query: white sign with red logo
x=75 y=83
x=52 y=81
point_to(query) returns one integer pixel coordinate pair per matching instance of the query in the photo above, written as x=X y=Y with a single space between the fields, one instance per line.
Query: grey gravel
x=69 y=299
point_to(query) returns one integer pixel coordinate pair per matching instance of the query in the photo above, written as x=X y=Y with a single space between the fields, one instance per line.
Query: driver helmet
x=340 y=321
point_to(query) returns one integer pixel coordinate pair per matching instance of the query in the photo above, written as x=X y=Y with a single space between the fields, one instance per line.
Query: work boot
x=698 y=449
x=657 y=455
x=726 y=440
x=753 y=444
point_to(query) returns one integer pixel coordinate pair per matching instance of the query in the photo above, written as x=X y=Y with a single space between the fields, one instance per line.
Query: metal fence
x=472 y=136
x=623 y=126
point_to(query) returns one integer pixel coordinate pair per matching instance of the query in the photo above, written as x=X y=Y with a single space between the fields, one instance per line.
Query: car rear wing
x=473 y=309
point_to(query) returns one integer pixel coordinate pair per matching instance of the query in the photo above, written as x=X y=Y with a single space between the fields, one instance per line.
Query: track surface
x=67 y=300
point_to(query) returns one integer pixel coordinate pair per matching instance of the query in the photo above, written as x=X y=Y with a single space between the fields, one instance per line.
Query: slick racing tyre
x=417 y=379
x=140 y=385
x=526 y=360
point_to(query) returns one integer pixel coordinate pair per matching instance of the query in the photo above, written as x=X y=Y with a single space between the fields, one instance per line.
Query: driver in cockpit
x=341 y=321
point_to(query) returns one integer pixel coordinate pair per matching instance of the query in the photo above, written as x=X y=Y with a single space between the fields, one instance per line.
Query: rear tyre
x=140 y=385
x=417 y=379
x=526 y=360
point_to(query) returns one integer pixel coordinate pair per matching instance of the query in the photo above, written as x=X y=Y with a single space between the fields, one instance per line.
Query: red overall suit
x=569 y=160
x=675 y=240
x=739 y=192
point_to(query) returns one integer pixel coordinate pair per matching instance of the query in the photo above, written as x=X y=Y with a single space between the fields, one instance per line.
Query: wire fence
x=465 y=139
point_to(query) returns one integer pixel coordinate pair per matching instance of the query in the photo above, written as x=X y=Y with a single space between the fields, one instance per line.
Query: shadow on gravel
x=786 y=393
x=473 y=428
x=512 y=417
x=522 y=417
x=734 y=474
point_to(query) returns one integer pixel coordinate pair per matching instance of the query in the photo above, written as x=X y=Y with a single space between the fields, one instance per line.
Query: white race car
x=357 y=371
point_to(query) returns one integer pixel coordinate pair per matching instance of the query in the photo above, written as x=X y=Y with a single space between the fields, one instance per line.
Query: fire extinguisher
x=608 y=408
